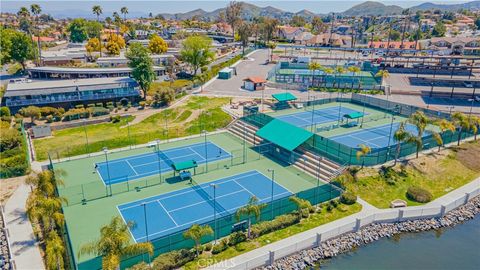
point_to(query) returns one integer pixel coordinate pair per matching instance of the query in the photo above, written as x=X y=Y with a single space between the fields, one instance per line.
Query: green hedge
x=419 y=194
x=279 y=222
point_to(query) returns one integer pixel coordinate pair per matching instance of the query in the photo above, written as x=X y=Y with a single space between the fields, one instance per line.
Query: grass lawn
x=439 y=173
x=175 y=85
x=314 y=220
x=198 y=113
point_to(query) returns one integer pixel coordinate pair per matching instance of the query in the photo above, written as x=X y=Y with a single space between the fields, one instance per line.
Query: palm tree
x=364 y=150
x=300 y=203
x=444 y=126
x=54 y=252
x=420 y=120
x=462 y=122
x=244 y=33
x=124 y=11
x=400 y=136
x=117 y=20
x=354 y=70
x=196 y=233
x=474 y=125
x=338 y=70
x=382 y=74
x=252 y=208
x=114 y=243
x=314 y=66
x=97 y=10
x=328 y=72
x=36 y=10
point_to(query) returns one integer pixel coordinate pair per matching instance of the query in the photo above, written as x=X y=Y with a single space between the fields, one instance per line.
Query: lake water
x=456 y=248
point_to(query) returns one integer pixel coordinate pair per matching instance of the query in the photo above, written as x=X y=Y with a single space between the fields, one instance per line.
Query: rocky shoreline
x=347 y=242
x=5 y=263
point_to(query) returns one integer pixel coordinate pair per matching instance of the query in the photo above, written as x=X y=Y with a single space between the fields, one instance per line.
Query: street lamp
x=273 y=181
x=214 y=186
x=157 y=141
x=395 y=110
x=86 y=137
x=105 y=151
x=471 y=107
x=313 y=113
x=206 y=152
x=144 y=205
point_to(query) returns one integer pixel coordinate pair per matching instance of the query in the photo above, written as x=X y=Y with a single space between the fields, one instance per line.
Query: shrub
x=4 y=111
x=80 y=106
x=329 y=207
x=115 y=118
x=142 y=104
x=208 y=246
x=348 y=198
x=223 y=245
x=100 y=104
x=173 y=259
x=74 y=114
x=236 y=237
x=419 y=194
x=279 y=222
x=333 y=203
x=97 y=111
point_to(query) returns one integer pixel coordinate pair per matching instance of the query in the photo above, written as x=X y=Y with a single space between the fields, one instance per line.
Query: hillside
x=372 y=8
x=475 y=5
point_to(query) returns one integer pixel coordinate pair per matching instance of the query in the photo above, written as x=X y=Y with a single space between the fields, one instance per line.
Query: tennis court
x=133 y=167
x=320 y=116
x=178 y=210
x=375 y=137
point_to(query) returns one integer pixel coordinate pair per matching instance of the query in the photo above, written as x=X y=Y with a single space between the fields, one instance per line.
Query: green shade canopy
x=284 y=134
x=284 y=97
x=353 y=115
x=184 y=165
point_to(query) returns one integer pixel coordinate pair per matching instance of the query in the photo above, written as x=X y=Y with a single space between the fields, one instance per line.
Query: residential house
x=289 y=32
x=455 y=45
x=327 y=39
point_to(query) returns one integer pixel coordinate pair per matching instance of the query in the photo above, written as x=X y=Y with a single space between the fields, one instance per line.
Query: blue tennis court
x=325 y=115
x=375 y=137
x=178 y=210
x=124 y=169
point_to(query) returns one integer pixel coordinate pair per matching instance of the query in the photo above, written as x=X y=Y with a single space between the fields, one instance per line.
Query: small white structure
x=41 y=131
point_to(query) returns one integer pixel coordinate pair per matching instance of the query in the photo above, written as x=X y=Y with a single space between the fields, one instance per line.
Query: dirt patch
x=469 y=155
x=429 y=163
x=8 y=187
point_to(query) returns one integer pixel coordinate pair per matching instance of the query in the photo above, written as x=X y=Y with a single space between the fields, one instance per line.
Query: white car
x=468 y=84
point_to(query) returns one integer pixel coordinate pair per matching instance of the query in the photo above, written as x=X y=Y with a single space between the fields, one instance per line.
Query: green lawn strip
x=439 y=175
x=72 y=141
x=314 y=220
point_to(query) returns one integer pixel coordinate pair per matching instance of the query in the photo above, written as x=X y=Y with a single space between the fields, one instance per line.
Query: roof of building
x=255 y=79
x=282 y=97
x=85 y=70
x=184 y=165
x=284 y=134
x=47 y=87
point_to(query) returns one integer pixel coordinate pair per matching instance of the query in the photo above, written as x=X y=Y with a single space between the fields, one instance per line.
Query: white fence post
x=467 y=197
x=442 y=210
x=319 y=239
x=357 y=224
x=271 y=257
x=400 y=215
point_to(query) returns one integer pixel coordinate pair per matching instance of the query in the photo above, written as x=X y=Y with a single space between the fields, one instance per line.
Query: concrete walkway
x=25 y=250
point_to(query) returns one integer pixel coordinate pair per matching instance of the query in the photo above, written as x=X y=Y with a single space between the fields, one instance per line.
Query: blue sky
x=74 y=8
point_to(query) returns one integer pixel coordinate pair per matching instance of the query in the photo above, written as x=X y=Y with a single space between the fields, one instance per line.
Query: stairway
x=303 y=159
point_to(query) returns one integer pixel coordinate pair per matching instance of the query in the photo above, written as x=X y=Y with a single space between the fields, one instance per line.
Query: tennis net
x=209 y=199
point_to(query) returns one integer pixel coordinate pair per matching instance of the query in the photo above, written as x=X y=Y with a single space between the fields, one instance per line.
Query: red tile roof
x=256 y=79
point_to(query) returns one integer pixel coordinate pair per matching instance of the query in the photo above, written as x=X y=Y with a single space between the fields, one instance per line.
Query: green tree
x=314 y=66
x=354 y=70
x=97 y=10
x=318 y=26
x=420 y=121
x=77 y=29
x=54 y=252
x=196 y=233
x=439 y=30
x=444 y=125
x=244 y=33
x=400 y=136
x=92 y=45
x=249 y=210
x=142 y=66
x=297 y=21
x=301 y=204
x=31 y=111
x=93 y=29
x=232 y=14
x=462 y=122
x=114 y=244
x=22 y=48
x=124 y=11
x=382 y=74
x=395 y=35
x=36 y=10
x=157 y=45
x=197 y=52
x=6 y=45
x=362 y=152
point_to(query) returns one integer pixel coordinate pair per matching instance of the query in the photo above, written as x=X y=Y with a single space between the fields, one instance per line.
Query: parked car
x=477 y=98
x=468 y=84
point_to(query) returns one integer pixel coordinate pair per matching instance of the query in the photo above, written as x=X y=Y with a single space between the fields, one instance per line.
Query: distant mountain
x=475 y=5
x=371 y=8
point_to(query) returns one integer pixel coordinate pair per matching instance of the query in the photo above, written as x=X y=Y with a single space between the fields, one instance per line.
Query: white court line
x=154 y=198
x=168 y=213
x=131 y=234
x=201 y=156
x=144 y=164
x=244 y=188
x=131 y=167
x=206 y=201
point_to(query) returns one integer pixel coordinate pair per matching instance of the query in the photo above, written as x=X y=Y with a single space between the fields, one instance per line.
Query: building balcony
x=50 y=100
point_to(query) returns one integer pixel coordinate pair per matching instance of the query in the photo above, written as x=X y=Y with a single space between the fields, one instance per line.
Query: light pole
x=214 y=186
x=313 y=114
x=471 y=107
x=157 y=141
x=339 y=107
x=86 y=137
x=206 y=151
x=273 y=181
x=105 y=151
x=129 y=138
x=395 y=110
x=144 y=205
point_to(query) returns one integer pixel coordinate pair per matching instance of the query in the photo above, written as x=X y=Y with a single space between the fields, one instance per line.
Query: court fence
x=95 y=189
x=344 y=154
x=223 y=226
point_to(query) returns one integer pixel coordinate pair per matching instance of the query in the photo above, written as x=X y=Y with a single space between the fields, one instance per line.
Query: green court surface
x=81 y=182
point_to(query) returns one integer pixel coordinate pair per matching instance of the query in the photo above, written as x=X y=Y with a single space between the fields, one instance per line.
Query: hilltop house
x=455 y=45
x=289 y=32
x=327 y=39
x=394 y=45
